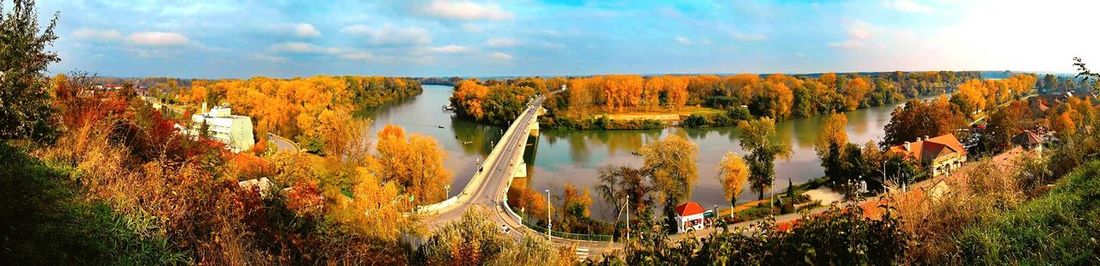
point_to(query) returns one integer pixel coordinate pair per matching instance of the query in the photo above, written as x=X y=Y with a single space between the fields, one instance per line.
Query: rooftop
x=689 y=208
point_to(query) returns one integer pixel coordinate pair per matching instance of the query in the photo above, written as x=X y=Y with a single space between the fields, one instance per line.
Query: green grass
x=43 y=221
x=1060 y=228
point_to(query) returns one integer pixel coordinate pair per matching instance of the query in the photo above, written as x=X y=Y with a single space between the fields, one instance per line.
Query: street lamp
x=548 y=224
x=628 y=218
x=714 y=223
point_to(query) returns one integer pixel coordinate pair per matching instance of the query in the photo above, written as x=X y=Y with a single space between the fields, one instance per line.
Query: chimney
x=907 y=145
x=925 y=137
x=204 y=107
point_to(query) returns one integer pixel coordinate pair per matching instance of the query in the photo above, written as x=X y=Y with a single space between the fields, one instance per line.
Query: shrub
x=44 y=222
x=835 y=237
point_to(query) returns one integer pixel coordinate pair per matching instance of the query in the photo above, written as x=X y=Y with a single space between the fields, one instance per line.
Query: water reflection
x=557 y=157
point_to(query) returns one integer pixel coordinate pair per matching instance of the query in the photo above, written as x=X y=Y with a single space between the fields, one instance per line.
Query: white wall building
x=233 y=130
x=689 y=216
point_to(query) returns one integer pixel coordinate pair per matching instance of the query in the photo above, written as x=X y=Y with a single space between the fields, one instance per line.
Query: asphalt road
x=283 y=144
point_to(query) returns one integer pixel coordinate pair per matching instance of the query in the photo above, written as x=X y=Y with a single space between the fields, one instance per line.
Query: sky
x=240 y=39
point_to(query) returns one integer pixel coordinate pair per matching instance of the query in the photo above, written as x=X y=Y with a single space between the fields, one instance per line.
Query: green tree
x=760 y=139
x=25 y=110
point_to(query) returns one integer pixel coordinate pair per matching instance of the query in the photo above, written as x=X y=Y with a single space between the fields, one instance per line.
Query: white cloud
x=157 y=38
x=304 y=30
x=97 y=35
x=907 y=6
x=683 y=40
x=390 y=35
x=465 y=10
x=269 y=58
x=500 y=56
x=502 y=42
x=450 y=49
x=301 y=48
x=858 y=34
x=357 y=56
x=749 y=37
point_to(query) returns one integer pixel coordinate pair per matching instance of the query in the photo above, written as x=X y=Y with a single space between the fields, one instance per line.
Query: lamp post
x=628 y=218
x=714 y=222
x=548 y=225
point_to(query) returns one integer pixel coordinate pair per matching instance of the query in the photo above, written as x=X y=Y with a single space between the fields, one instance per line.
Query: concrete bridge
x=488 y=188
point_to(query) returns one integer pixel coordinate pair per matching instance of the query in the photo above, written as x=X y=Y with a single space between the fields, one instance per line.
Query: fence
x=566 y=235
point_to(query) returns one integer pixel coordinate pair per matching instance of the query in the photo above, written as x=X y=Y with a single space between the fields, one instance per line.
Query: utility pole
x=548 y=225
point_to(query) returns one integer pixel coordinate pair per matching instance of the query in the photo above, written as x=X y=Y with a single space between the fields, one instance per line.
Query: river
x=575 y=157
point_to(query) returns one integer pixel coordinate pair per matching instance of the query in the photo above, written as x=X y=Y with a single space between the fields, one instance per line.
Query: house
x=939 y=155
x=689 y=216
x=225 y=127
x=1029 y=140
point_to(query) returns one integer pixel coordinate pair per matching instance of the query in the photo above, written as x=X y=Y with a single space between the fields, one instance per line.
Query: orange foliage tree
x=416 y=163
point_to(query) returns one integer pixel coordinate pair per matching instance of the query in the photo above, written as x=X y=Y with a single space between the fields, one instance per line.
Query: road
x=283 y=144
x=489 y=186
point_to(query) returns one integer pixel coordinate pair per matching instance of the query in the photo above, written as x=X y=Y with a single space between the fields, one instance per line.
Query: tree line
x=732 y=98
x=313 y=111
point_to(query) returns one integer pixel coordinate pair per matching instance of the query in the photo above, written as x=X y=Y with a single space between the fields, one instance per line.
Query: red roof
x=929 y=149
x=689 y=208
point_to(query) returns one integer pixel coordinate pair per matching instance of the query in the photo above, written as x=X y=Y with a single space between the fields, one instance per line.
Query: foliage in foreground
x=839 y=236
x=46 y=222
x=477 y=240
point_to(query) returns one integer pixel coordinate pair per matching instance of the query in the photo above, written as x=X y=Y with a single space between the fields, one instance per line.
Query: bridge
x=488 y=188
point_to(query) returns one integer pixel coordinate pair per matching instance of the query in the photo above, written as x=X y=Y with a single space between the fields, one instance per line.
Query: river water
x=560 y=157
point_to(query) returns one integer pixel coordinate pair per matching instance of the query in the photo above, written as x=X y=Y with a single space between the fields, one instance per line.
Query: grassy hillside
x=1060 y=228
x=45 y=221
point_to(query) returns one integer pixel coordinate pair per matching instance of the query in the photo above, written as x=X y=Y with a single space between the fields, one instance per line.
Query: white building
x=689 y=216
x=233 y=130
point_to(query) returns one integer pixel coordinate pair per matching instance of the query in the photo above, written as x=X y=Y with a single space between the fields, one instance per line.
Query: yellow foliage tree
x=733 y=173
x=416 y=163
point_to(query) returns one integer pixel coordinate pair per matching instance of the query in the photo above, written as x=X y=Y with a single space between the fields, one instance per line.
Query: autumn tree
x=576 y=210
x=671 y=164
x=971 y=96
x=415 y=162
x=469 y=97
x=625 y=188
x=25 y=110
x=733 y=173
x=759 y=138
x=832 y=146
x=525 y=200
x=922 y=118
x=855 y=89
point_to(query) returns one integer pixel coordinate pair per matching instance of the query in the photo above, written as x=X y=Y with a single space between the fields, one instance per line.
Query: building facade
x=689 y=216
x=225 y=127
x=939 y=155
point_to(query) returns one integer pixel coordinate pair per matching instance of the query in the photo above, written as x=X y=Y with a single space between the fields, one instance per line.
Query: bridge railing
x=567 y=235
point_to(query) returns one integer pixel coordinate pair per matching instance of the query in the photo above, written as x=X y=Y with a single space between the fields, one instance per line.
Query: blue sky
x=223 y=39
